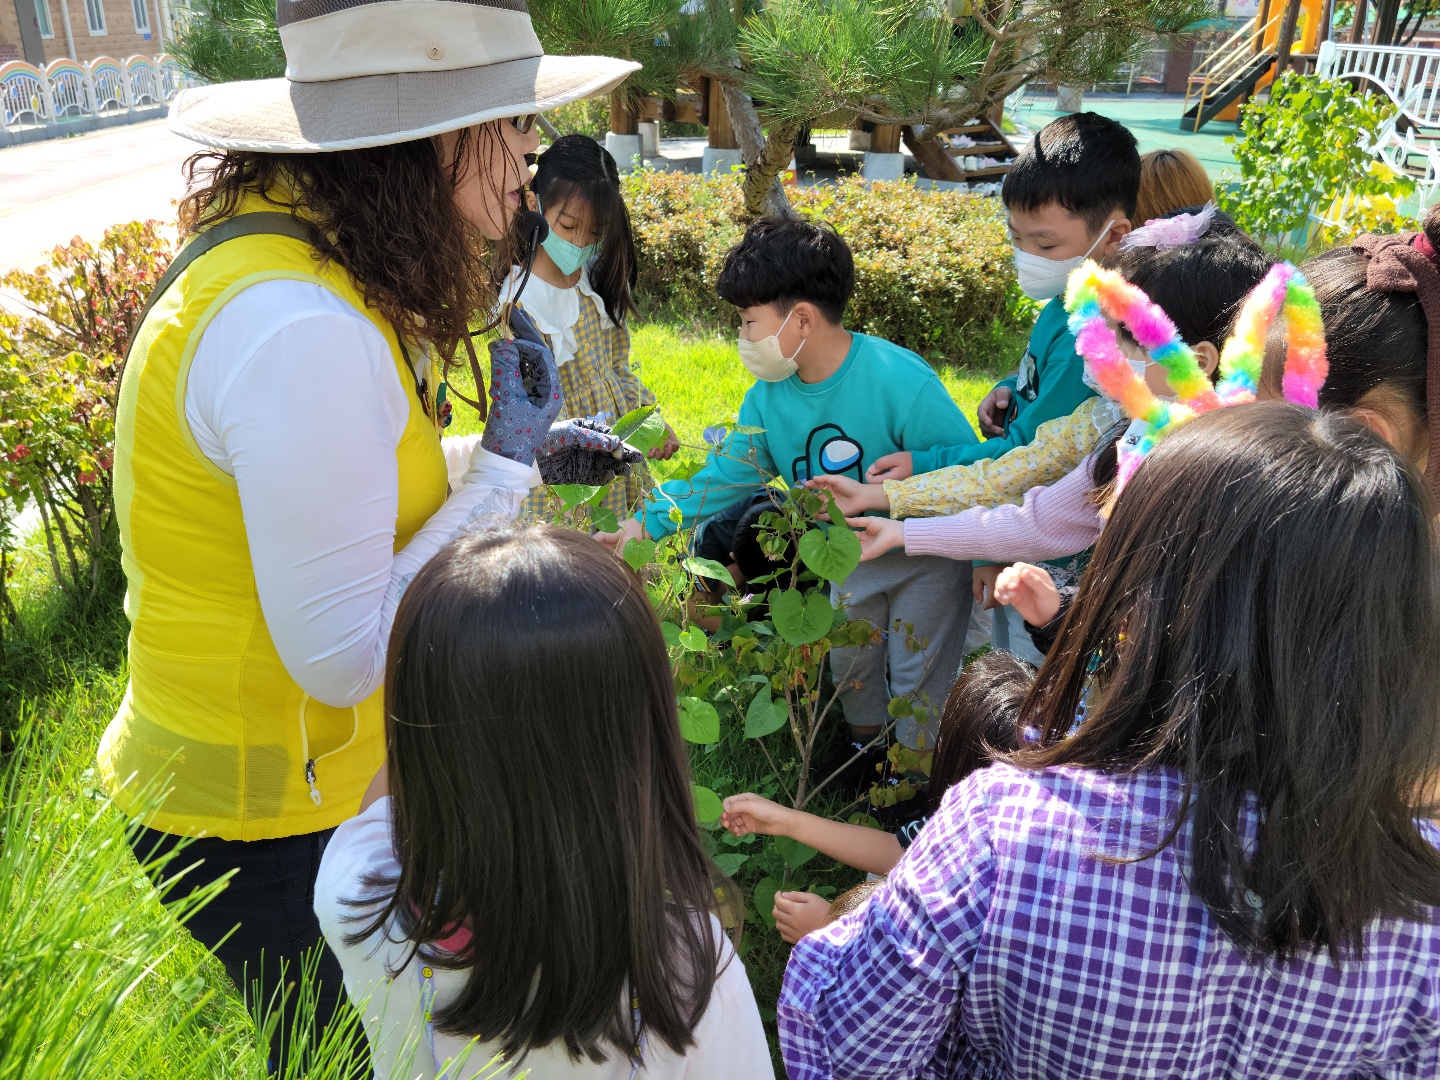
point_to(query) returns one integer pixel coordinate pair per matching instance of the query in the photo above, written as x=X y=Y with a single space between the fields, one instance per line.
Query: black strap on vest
x=266 y=222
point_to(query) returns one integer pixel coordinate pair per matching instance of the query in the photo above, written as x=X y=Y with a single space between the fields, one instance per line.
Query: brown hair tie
x=1406 y=262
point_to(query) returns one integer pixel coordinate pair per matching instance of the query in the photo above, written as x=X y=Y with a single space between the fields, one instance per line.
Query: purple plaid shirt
x=1002 y=947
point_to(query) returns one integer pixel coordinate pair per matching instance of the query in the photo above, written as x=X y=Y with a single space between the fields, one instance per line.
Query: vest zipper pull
x=310 y=779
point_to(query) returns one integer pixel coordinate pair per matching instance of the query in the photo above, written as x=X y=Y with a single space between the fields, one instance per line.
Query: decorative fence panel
x=146 y=87
x=24 y=94
x=69 y=90
x=109 y=88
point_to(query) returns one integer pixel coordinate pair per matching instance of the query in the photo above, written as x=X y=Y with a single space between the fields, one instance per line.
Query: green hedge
x=933 y=268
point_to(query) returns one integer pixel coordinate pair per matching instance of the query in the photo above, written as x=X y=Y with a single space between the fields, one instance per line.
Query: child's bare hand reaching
x=897 y=466
x=799 y=913
x=749 y=813
x=853 y=497
x=1030 y=591
x=877 y=535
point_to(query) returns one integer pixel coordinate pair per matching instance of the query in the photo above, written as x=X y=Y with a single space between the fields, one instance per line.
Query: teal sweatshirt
x=882 y=399
x=1049 y=384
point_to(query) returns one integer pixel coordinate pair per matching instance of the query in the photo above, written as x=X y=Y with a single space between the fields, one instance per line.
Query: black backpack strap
x=266 y=222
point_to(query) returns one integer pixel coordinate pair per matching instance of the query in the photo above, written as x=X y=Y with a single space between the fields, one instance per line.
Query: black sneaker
x=854 y=777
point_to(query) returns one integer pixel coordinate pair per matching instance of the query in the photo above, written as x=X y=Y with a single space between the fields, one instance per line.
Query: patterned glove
x=525 y=393
x=584 y=452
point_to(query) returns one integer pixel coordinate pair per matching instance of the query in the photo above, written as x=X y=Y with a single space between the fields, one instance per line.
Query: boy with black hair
x=1070 y=195
x=830 y=401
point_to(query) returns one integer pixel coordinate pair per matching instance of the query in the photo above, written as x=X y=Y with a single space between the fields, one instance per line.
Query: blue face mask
x=566 y=256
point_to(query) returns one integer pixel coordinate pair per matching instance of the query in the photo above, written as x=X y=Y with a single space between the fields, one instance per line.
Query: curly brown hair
x=386 y=214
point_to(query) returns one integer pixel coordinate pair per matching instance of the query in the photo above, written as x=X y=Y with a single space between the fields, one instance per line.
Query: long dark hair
x=541 y=799
x=578 y=172
x=1261 y=614
x=386 y=214
x=980 y=721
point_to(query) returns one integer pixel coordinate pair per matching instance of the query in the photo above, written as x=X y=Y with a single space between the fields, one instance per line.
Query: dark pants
x=269 y=906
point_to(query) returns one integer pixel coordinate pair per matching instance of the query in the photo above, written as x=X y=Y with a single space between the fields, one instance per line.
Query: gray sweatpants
x=932 y=594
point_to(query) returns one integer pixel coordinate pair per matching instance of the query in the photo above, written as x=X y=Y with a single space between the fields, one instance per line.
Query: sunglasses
x=524 y=124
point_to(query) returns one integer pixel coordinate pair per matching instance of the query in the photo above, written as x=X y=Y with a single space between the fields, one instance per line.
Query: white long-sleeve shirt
x=729 y=1040
x=296 y=395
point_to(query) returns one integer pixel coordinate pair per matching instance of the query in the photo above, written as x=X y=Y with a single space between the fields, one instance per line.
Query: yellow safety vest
x=210 y=714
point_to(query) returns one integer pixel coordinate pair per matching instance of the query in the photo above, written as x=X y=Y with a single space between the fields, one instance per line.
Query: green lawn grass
x=66 y=673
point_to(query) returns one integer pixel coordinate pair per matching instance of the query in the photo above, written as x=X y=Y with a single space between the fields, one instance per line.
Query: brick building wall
x=120 y=37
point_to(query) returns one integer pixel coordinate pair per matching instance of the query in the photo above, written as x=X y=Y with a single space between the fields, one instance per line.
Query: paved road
x=54 y=190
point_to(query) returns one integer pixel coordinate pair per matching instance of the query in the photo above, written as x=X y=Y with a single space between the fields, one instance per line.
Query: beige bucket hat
x=373 y=72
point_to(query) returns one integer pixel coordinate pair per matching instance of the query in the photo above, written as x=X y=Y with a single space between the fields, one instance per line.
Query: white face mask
x=1044 y=279
x=1139 y=367
x=763 y=358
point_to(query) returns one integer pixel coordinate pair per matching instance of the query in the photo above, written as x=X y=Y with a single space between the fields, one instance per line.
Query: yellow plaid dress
x=598 y=379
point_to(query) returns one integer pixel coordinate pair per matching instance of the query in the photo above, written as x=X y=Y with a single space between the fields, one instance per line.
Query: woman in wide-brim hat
x=280 y=471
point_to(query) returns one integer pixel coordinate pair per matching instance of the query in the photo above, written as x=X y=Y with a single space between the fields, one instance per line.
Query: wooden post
x=719 y=129
x=1386 y=14
x=622 y=120
x=1261 y=21
x=1327 y=16
x=1357 y=28
x=885 y=139
x=1287 y=37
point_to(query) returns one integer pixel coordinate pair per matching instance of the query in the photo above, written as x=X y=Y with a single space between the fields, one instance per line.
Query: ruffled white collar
x=555 y=311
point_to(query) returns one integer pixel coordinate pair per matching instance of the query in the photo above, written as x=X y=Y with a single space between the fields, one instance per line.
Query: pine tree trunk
x=762 y=177
x=764 y=193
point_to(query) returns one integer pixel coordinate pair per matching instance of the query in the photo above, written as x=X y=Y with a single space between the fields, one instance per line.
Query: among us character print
x=829 y=452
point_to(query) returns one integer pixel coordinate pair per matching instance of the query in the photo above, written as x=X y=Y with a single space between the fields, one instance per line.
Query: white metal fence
x=67 y=89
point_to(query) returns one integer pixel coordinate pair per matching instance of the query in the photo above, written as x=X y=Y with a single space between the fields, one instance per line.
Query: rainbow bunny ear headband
x=1093 y=293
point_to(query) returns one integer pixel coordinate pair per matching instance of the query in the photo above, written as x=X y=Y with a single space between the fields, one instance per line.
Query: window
x=42 y=15
x=142 y=16
x=95 y=16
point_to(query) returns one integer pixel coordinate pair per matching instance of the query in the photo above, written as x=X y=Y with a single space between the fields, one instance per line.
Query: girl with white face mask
x=578 y=296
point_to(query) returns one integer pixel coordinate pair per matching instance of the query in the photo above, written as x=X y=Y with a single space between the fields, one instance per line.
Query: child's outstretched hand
x=631 y=529
x=1029 y=590
x=750 y=813
x=853 y=497
x=877 y=535
x=799 y=913
x=666 y=450
x=898 y=466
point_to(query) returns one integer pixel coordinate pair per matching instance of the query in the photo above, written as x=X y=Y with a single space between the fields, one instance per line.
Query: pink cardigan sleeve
x=1052 y=523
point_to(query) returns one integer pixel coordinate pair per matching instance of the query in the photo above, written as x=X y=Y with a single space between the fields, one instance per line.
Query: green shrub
x=1301 y=152
x=60 y=365
x=932 y=268
x=588 y=117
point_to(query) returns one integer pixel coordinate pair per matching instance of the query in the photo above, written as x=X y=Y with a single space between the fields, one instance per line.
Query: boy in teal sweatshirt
x=830 y=401
x=1071 y=195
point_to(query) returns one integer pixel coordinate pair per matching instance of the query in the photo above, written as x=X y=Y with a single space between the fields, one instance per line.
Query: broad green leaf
x=765 y=890
x=602 y=519
x=708 y=568
x=676 y=517
x=900 y=707
x=793 y=852
x=730 y=862
x=746 y=429
x=693 y=639
x=645 y=435
x=764 y=715
x=708 y=807
x=575 y=494
x=800 y=619
x=630 y=423
x=830 y=555
x=699 y=722
x=671 y=633
x=638 y=553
